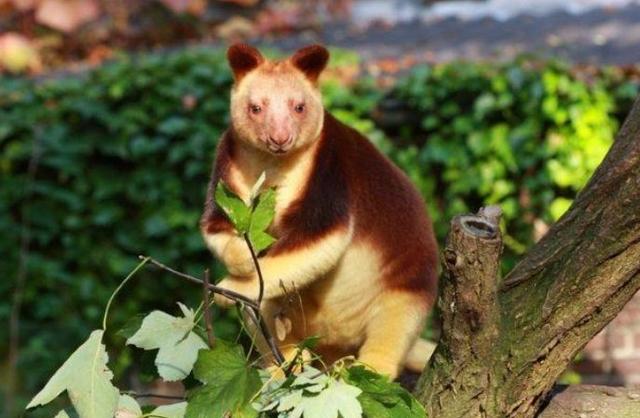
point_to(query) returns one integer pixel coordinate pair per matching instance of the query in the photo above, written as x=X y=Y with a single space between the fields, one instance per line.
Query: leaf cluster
x=525 y=135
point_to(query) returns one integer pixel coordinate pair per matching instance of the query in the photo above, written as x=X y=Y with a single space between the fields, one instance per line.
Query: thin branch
x=215 y=289
x=256 y=316
x=155 y=395
x=257 y=265
x=266 y=333
x=207 y=310
x=253 y=311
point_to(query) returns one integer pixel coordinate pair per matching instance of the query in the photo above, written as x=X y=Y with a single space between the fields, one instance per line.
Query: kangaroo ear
x=311 y=60
x=242 y=59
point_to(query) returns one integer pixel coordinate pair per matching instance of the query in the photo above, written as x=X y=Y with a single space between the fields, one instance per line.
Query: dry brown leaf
x=66 y=15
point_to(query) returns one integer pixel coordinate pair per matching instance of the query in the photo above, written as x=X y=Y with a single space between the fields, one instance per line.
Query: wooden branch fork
x=505 y=342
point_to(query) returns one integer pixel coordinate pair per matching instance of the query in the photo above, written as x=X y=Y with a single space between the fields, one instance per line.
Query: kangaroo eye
x=300 y=108
x=255 y=109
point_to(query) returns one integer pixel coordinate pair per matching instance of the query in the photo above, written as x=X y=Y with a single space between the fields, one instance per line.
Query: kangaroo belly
x=337 y=307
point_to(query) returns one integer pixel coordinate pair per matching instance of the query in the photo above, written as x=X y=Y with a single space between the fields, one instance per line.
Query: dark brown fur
x=351 y=178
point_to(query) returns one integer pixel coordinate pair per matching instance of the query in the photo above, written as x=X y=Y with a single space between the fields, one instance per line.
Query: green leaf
x=229 y=384
x=261 y=217
x=236 y=210
x=261 y=241
x=309 y=342
x=128 y=407
x=86 y=379
x=311 y=394
x=62 y=414
x=337 y=399
x=176 y=410
x=177 y=344
x=381 y=398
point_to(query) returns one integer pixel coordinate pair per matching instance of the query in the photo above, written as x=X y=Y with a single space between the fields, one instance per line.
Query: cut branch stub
x=501 y=361
x=469 y=311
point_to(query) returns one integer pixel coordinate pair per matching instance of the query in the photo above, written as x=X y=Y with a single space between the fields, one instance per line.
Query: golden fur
x=340 y=275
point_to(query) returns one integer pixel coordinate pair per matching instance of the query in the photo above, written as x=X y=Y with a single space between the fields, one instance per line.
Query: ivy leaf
x=381 y=398
x=176 y=410
x=261 y=218
x=177 y=344
x=229 y=384
x=86 y=379
x=236 y=210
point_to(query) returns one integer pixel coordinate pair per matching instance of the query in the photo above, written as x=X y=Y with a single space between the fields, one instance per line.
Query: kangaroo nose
x=280 y=139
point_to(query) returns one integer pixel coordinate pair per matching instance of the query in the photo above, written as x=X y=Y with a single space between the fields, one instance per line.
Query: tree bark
x=580 y=401
x=505 y=342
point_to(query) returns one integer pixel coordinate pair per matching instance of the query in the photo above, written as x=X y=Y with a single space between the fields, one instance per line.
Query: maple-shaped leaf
x=337 y=399
x=174 y=339
x=382 y=398
x=86 y=379
x=229 y=384
x=311 y=394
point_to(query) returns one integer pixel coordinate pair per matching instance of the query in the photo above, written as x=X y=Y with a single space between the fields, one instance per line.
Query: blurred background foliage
x=99 y=167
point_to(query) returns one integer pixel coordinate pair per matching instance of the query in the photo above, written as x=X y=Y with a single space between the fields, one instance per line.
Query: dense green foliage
x=120 y=159
x=524 y=136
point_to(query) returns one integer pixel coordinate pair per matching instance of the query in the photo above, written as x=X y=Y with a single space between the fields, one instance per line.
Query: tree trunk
x=580 y=401
x=505 y=342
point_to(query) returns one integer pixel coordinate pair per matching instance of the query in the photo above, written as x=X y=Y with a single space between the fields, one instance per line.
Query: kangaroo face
x=276 y=106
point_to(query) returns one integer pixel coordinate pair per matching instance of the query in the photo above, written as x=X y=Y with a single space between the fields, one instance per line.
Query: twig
x=215 y=289
x=266 y=333
x=207 y=310
x=133 y=272
x=154 y=395
x=256 y=317
x=253 y=311
x=257 y=265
